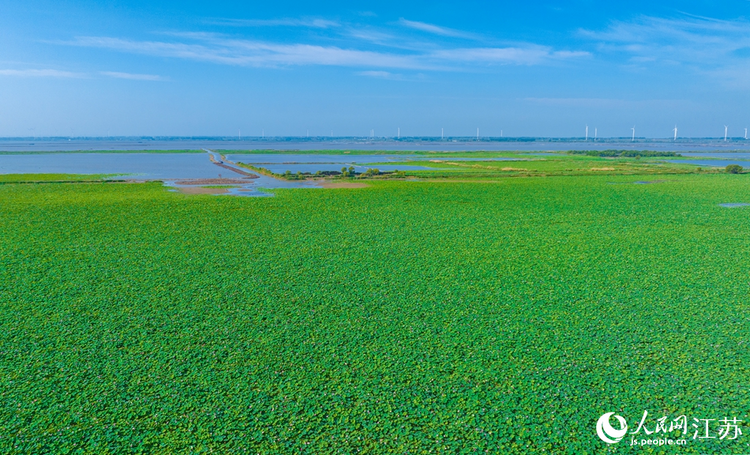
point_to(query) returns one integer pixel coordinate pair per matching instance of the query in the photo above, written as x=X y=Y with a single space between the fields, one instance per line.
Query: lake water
x=15 y=145
x=165 y=166
x=136 y=165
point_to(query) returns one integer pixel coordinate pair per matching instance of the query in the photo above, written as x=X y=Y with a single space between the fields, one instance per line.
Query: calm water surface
x=349 y=144
x=135 y=165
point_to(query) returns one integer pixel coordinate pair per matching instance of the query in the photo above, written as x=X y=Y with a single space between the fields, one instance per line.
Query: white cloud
x=687 y=39
x=380 y=74
x=131 y=76
x=608 y=103
x=387 y=75
x=241 y=52
x=40 y=73
x=531 y=55
x=254 y=53
x=716 y=49
x=435 y=29
x=304 y=22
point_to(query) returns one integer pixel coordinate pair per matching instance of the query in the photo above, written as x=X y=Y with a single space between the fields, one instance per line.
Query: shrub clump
x=734 y=169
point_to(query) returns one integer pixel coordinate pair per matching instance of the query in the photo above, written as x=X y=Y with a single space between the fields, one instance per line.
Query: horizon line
x=322 y=138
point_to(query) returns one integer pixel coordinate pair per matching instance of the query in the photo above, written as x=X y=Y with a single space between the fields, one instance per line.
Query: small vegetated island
x=489 y=306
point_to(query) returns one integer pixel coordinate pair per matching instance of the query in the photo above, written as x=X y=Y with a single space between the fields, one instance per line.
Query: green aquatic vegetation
x=562 y=165
x=417 y=153
x=404 y=317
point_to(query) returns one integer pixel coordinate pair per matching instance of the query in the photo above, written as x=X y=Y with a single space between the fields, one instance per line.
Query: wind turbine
x=587 y=133
x=725 y=133
x=675 y=132
x=633 y=128
x=596 y=131
x=745 y=133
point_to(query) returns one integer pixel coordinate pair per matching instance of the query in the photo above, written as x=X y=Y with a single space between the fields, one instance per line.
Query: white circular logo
x=607 y=433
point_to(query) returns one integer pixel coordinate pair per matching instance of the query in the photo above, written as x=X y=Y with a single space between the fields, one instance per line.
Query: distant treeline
x=622 y=153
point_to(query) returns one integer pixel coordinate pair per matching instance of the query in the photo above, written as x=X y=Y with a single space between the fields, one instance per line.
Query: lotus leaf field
x=405 y=317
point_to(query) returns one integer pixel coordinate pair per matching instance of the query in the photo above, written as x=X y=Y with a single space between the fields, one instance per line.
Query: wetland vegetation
x=465 y=312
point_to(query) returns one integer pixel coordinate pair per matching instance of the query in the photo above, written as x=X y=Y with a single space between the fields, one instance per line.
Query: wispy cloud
x=435 y=29
x=686 y=39
x=253 y=53
x=715 y=48
x=530 y=55
x=379 y=74
x=241 y=52
x=606 y=103
x=304 y=22
x=387 y=75
x=131 y=76
x=40 y=73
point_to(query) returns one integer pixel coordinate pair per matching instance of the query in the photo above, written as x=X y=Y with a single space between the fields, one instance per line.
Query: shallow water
x=144 y=166
x=246 y=191
x=734 y=204
x=138 y=166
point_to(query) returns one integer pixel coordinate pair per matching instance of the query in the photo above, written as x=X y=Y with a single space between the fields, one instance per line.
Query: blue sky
x=74 y=67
